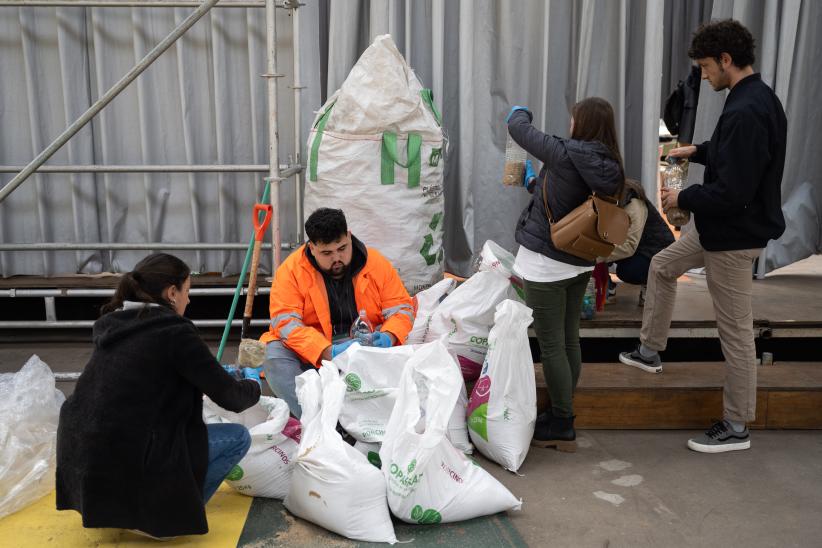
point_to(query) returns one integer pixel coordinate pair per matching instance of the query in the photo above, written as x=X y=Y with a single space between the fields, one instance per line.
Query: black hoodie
x=341 y=301
x=132 y=449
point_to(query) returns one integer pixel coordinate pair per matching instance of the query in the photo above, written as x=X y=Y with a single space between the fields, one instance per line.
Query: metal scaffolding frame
x=276 y=172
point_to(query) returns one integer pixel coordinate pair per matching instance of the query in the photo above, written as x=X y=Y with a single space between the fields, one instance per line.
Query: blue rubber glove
x=381 y=340
x=252 y=373
x=516 y=108
x=529 y=178
x=233 y=371
x=337 y=349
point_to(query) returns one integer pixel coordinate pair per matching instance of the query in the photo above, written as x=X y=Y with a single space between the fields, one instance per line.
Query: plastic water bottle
x=515 y=158
x=362 y=330
x=589 y=301
x=674 y=176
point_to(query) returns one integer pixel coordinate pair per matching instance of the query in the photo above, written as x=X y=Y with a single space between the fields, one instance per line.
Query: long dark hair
x=594 y=121
x=148 y=280
x=632 y=185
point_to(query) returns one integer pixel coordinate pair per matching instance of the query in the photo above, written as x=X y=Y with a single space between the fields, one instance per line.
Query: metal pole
x=298 y=139
x=273 y=136
x=158 y=50
x=71 y=324
x=51 y=293
x=146 y=246
x=152 y=168
x=128 y=3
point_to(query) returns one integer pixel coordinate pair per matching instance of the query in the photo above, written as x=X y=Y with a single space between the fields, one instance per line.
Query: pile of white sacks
x=407 y=409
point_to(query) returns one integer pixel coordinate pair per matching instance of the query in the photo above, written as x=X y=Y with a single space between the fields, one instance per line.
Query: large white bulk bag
x=376 y=152
x=502 y=410
x=430 y=481
x=333 y=484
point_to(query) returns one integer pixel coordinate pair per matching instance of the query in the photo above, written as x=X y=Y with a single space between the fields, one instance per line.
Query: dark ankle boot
x=558 y=433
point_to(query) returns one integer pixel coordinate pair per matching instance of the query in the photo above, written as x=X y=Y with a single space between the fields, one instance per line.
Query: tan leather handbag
x=590 y=230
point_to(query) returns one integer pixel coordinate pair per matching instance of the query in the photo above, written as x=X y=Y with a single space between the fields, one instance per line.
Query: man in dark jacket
x=737 y=209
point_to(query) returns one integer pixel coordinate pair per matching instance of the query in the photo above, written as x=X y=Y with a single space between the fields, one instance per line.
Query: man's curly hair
x=725 y=36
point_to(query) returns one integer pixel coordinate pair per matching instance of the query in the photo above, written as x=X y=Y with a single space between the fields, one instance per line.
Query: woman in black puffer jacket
x=555 y=282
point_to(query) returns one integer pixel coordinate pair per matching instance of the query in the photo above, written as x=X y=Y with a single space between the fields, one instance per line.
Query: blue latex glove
x=529 y=178
x=381 y=340
x=337 y=349
x=516 y=108
x=233 y=370
x=251 y=373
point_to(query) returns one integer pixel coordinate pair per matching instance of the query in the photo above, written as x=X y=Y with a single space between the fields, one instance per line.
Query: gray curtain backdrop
x=204 y=102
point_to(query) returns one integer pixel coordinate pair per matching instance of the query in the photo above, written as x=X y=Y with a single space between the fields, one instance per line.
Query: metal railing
x=275 y=175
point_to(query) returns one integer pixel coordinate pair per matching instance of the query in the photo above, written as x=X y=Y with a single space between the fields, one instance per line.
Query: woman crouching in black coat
x=132 y=449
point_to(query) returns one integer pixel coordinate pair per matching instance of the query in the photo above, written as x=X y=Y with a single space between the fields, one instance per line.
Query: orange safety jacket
x=300 y=315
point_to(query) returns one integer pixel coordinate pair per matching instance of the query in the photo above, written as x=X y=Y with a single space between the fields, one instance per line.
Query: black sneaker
x=636 y=359
x=719 y=438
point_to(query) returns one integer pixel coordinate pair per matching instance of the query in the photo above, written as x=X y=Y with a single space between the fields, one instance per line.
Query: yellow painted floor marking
x=41 y=525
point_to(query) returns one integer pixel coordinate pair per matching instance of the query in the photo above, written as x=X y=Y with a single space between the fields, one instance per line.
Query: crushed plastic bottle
x=515 y=158
x=361 y=330
x=674 y=177
x=589 y=301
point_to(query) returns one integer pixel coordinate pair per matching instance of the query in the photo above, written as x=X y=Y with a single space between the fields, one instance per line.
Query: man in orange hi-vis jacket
x=318 y=293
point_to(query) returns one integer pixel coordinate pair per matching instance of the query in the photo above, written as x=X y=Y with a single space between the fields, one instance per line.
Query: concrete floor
x=645 y=488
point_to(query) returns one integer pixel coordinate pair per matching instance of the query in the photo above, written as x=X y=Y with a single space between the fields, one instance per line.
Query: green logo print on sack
x=352 y=382
x=478 y=421
x=235 y=474
x=425 y=517
x=428 y=242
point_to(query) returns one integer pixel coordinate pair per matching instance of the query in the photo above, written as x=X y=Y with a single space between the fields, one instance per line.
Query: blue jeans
x=633 y=269
x=227 y=445
x=282 y=366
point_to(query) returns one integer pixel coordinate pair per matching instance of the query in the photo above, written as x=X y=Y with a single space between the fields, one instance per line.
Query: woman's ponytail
x=147 y=282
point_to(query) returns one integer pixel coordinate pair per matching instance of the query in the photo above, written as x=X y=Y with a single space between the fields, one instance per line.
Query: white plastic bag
x=494 y=258
x=502 y=410
x=265 y=470
x=376 y=151
x=372 y=377
x=29 y=413
x=254 y=415
x=465 y=317
x=426 y=302
x=429 y=481
x=333 y=484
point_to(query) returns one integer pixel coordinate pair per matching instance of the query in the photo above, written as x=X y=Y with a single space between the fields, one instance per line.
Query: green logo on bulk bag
x=428 y=242
x=412 y=465
x=478 y=421
x=425 y=517
x=353 y=382
x=235 y=474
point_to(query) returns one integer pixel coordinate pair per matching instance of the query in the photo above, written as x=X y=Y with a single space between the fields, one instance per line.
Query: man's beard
x=337 y=271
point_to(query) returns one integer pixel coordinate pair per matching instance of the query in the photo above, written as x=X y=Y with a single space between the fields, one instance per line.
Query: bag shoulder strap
x=545 y=199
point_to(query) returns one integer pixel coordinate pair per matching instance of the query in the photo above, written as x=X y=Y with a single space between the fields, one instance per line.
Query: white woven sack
x=502 y=410
x=426 y=302
x=333 y=484
x=429 y=481
x=465 y=317
x=265 y=470
x=380 y=112
x=372 y=377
